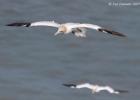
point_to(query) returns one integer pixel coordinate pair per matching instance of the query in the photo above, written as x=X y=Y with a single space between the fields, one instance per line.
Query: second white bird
x=96 y=88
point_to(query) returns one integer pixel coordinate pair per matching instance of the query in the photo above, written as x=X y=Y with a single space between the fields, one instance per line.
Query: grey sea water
x=34 y=63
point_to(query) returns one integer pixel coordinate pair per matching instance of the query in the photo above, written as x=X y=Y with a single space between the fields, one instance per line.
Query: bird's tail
x=18 y=24
x=111 y=32
x=70 y=85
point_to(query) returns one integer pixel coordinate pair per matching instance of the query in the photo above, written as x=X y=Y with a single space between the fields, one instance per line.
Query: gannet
x=96 y=88
x=78 y=29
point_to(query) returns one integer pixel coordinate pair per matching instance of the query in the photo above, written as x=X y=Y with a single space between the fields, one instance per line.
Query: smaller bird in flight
x=96 y=88
x=78 y=29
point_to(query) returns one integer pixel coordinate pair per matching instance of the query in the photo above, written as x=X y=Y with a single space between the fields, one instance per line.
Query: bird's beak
x=57 y=33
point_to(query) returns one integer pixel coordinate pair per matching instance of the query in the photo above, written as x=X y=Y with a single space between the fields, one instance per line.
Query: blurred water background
x=34 y=63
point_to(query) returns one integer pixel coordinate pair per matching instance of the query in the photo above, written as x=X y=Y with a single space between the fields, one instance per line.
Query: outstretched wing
x=84 y=85
x=70 y=85
x=122 y=91
x=39 y=23
x=111 y=90
x=98 y=28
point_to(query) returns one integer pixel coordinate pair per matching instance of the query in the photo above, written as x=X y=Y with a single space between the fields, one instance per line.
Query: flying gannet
x=78 y=29
x=96 y=88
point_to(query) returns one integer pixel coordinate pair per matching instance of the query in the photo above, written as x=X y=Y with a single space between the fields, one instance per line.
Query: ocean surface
x=34 y=63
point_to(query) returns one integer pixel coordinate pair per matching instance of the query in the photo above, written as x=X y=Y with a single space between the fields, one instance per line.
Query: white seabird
x=96 y=88
x=78 y=29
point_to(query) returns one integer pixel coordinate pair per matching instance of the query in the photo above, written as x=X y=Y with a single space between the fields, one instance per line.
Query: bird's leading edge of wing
x=98 y=28
x=39 y=23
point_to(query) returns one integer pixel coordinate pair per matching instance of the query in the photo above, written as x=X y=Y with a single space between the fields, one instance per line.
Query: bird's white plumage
x=45 y=23
x=67 y=28
x=107 y=88
x=85 y=85
x=96 y=88
x=91 y=26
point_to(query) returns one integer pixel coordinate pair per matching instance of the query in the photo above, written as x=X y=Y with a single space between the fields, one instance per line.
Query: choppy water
x=34 y=64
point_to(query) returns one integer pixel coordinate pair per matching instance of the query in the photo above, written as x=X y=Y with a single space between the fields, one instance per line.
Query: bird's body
x=78 y=29
x=96 y=88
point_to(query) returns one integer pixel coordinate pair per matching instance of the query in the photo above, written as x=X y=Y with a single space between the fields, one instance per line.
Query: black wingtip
x=112 y=32
x=69 y=85
x=122 y=91
x=18 y=24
